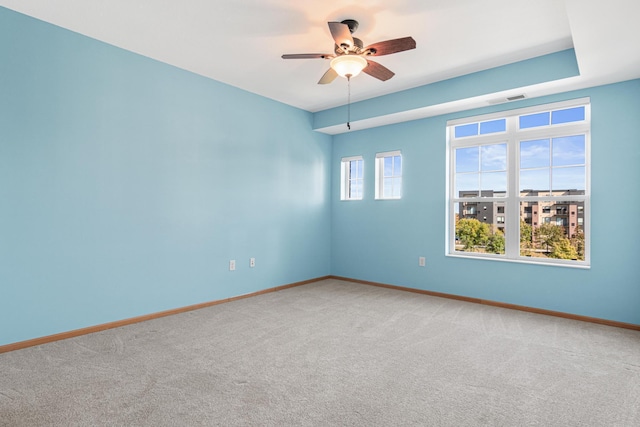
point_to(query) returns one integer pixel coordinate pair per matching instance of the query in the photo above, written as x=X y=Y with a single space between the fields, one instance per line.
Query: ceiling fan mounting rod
x=352 y=24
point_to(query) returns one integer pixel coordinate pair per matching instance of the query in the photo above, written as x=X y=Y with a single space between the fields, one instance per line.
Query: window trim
x=345 y=164
x=379 y=174
x=512 y=137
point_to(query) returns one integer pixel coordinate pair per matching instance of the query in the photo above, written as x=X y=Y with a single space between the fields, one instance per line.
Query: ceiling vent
x=507 y=99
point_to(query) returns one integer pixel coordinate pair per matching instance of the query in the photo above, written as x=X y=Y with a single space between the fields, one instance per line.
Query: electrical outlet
x=422 y=261
x=252 y=262
x=232 y=265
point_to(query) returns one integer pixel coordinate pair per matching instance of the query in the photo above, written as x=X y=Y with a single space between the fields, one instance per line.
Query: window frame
x=379 y=174
x=346 y=180
x=513 y=136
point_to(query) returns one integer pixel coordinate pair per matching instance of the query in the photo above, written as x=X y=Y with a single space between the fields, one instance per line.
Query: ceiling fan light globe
x=348 y=65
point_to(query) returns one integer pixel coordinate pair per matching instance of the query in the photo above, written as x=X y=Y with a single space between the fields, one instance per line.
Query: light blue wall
x=381 y=241
x=127 y=185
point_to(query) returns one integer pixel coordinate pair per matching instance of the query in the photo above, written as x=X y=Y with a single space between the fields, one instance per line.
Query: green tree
x=472 y=233
x=577 y=240
x=548 y=235
x=526 y=232
x=526 y=239
x=563 y=249
x=495 y=243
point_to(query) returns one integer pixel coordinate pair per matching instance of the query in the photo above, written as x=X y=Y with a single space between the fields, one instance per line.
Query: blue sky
x=481 y=167
x=552 y=163
x=556 y=163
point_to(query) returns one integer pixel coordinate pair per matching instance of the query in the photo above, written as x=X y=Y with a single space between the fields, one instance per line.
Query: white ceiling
x=240 y=42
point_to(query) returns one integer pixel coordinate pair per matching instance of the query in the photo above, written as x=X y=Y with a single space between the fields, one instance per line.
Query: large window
x=389 y=175
x=352 y=178
x=518 y=185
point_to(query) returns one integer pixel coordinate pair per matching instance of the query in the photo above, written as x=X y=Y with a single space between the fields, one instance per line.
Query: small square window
x=352 y=178
x=466 y=130
x=493 y=126
x=389 y=175
x=534 y=120
x=567 y=115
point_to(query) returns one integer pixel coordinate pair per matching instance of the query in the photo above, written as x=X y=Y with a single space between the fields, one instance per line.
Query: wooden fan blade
x=307 y=56
x=328 y=77
x=341 y=34
x=378 y=71
x=391 y=46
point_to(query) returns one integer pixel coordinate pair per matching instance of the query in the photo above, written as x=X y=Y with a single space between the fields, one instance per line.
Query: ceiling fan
x=350 y=57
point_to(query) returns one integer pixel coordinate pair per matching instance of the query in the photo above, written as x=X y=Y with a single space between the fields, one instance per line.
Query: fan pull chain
x=349 y=101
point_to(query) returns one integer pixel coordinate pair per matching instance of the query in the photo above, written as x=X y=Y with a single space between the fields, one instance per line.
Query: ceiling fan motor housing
x=356 y=48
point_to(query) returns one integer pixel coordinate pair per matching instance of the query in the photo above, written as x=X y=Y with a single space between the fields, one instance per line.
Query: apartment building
x=564 y=213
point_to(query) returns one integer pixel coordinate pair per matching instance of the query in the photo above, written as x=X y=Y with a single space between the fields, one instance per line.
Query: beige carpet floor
x=331 y=353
